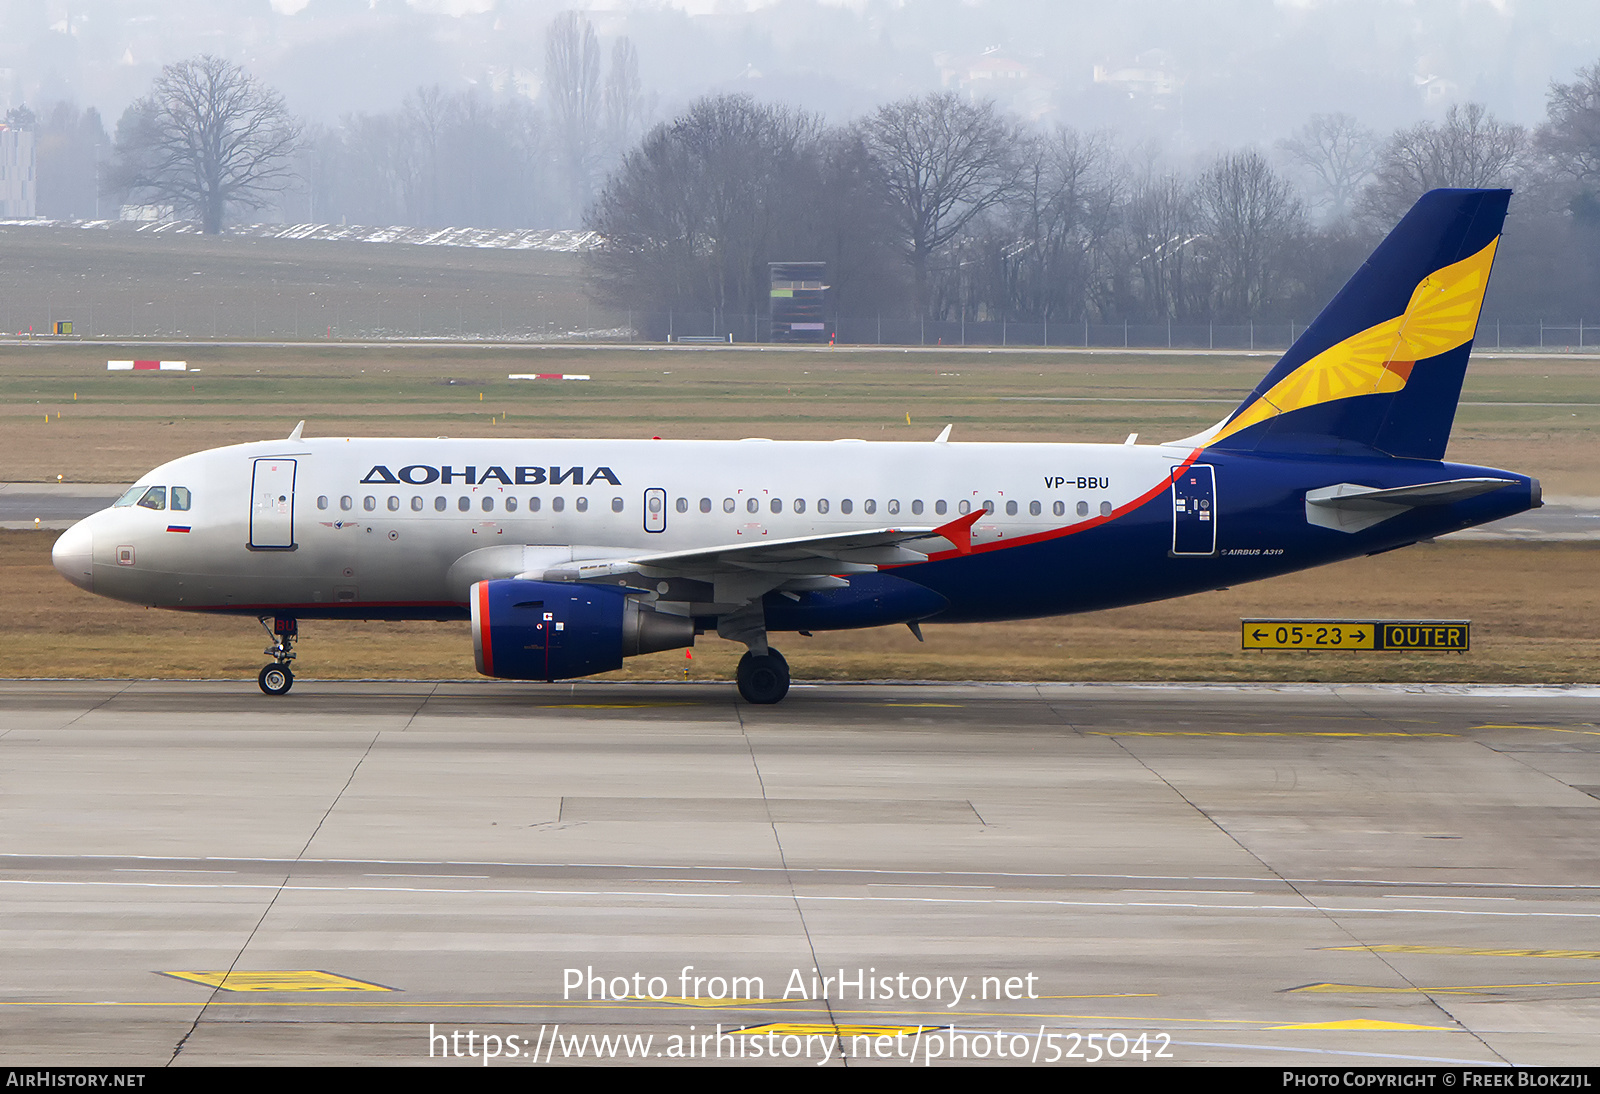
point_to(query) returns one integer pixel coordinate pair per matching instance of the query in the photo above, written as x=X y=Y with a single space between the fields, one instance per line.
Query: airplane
x=569 y=556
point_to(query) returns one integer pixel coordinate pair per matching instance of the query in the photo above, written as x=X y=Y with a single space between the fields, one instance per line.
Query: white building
x=19 y=181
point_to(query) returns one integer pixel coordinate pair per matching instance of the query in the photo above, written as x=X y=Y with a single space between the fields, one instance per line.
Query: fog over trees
x=960 y=211
x=985 y=200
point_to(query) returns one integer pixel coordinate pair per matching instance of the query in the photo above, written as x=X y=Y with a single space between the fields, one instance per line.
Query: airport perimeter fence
x=328 y=318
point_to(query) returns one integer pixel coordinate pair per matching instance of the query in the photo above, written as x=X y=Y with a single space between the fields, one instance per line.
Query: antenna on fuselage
x=294 y=434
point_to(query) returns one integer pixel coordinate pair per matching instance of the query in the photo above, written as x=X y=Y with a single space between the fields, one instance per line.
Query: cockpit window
x=128 y=498
x=180 y=498
x=154 y=498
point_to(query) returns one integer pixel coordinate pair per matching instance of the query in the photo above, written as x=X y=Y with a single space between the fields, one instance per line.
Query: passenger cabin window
x=154 y=498
x=845 y=506
x=511 y=505
x=894 y=506
x=369 y=503
x=799 y=505
x=322 y=501
x=558 y=503
x=616 y=505
x=439 y=504
x=394 y=504
x=940 y=507
x=916 y=508
x=533 y=505
x=488 y=505
x=1083 y=508
x=463 y=503
x=869 y=506
x=416 y=505
x=777 y=505
x=1011 y=508
x=822 y=505
x=180 y=498
x=1105 y=509
x=964 y=508
x=583 y=505
x=347 y=503
x=1059 y=509
x=705 y=505
x=752 y=505
x=683 y=505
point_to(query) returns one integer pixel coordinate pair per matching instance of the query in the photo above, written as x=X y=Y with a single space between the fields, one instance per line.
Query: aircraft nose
x=73 y=555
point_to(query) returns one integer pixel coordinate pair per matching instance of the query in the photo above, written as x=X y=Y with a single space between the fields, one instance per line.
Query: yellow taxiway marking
x=1550 y=729
x=311 y=980
x=692 y=1001
x=1259 y=733
x=1365 y=1023
x=1464 y=951
x=805 y=1029
x=1466 y=989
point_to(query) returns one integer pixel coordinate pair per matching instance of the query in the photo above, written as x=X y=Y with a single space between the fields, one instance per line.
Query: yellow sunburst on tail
x=1441 y=316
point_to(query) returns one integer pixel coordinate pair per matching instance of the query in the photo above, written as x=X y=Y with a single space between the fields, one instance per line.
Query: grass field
x=1536 y=415
x=119 y=283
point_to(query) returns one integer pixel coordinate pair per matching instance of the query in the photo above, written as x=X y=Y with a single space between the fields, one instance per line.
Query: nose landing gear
x=276 y=678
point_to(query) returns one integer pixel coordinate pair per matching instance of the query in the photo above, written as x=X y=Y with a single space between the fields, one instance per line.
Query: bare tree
x=1248 y=214
x=624 y=98
x=1063 y=210
x=695 y=213
x=1571 y=136
x=1339 y=154
x=207 y=137
x=1160 y=276
x=572 y=86
x=943 y=160
x=1469 y=148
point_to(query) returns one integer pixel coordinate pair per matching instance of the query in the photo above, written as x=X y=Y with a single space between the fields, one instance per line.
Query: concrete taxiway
x=372 y=872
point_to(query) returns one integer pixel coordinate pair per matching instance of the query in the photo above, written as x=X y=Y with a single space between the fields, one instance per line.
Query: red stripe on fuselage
x=1073 y=529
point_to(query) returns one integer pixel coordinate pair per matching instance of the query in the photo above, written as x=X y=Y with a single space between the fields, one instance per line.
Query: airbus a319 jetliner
x=569 y=556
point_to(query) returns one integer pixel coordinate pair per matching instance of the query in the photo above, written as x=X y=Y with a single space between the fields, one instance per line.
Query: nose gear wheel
x=277 y=678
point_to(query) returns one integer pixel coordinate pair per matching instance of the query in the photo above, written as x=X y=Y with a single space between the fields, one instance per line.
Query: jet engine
x=545 y=630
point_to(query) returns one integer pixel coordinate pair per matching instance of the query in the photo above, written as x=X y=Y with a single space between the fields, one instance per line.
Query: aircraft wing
x=782 y=559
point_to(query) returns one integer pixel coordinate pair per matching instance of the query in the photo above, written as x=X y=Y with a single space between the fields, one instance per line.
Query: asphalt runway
x=1305 y=875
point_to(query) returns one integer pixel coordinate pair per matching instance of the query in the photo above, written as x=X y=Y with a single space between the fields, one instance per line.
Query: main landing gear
x=276 y=678
x=763 y=680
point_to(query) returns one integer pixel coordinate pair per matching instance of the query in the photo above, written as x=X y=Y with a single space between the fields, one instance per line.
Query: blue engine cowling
x=545 y=630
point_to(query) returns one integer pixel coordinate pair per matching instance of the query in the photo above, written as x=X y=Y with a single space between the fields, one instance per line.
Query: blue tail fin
x=1380 y=370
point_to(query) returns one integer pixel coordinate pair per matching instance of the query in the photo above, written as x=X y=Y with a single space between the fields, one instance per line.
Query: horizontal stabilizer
x=1349 y=507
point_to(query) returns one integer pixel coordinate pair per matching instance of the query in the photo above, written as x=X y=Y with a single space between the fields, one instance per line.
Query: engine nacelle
x=546 y=630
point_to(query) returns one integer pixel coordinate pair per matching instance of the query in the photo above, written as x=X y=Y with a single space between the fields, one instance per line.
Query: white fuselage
x=380 y=522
